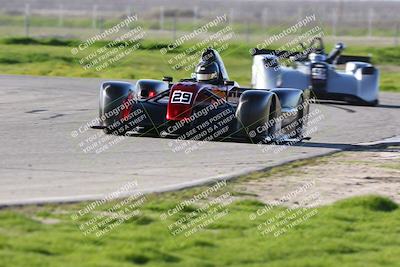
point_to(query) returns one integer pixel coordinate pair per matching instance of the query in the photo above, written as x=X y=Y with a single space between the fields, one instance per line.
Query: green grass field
x=361 y=231
x=52 y=57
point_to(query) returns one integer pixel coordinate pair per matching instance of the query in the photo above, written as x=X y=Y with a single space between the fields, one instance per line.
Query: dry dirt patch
x=351 y=173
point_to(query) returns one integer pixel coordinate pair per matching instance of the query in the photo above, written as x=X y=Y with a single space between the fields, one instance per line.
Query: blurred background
x=37 y=36
x=352 y=21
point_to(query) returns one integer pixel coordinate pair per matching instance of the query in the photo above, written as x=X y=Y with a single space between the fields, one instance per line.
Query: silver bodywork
x=357 y=83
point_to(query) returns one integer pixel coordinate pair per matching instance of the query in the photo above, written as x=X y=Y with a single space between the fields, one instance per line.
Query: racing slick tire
x=115 y=99
x=255 y=114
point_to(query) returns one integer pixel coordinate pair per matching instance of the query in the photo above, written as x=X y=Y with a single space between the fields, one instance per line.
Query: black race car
x=206 y=107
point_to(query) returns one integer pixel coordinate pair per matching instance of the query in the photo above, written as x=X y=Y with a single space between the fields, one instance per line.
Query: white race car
x=316 y=70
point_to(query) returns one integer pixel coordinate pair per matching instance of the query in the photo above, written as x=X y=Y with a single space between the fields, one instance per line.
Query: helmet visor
x=206 y=76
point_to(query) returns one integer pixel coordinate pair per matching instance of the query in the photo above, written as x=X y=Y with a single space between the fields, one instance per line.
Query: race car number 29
x=179 y=97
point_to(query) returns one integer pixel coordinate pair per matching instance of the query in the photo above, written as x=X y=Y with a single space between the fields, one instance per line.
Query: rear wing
x=284 y=54
x=343 y=59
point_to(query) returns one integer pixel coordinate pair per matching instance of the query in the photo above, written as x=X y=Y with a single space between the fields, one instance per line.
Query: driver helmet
x=315 y=57
x=207 y=72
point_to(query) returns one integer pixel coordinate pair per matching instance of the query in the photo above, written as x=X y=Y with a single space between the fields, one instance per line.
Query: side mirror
x=167 y=79
x=229 y=83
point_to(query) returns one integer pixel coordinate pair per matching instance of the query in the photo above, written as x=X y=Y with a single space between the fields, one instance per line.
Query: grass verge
x=52 y=57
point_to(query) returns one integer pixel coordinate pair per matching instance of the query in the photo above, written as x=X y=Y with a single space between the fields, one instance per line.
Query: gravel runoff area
x=369 y=170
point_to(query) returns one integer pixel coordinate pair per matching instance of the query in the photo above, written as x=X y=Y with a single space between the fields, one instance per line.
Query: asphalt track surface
x=42 y=162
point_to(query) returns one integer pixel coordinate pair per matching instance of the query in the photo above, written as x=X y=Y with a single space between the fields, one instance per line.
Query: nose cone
x=181 y=100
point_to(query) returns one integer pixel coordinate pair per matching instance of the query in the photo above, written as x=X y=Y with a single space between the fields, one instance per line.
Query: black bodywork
x=160 y=108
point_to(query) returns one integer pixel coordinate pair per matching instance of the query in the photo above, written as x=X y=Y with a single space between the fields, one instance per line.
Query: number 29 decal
x=179 y=97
